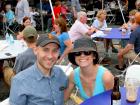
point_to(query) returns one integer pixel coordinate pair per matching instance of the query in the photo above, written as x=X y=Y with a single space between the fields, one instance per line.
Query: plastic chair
x=133 y=71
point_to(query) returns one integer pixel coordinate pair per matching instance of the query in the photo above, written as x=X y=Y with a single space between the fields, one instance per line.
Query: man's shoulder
x=58 y=70
x=29 y=51
x=23 y=75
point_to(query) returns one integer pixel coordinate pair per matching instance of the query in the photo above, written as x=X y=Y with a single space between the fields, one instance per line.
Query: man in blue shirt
x=43 y=83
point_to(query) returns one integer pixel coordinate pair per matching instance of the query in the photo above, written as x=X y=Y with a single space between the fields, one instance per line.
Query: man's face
x=47 y=56
x=84 y=19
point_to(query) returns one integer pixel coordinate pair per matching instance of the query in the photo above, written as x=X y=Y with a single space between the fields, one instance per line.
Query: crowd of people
x=35 y=79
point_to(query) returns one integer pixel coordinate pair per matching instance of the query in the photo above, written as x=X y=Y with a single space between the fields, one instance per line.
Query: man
x=42 y=83
x=25 y=59
x=80 y=28
x=22 y=10
x=132 y=48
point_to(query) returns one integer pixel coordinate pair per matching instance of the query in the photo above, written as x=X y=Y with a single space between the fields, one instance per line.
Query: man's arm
x=17 y=96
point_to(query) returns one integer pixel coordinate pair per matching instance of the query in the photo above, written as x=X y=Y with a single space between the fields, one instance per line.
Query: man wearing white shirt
x=22 y=10
x=80 y=28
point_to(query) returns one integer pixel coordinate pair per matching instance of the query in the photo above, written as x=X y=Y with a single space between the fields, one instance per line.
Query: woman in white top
x=100 y=24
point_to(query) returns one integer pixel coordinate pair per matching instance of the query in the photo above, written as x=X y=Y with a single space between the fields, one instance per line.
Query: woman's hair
x=57 y=3
x=133 y=12
x=96 y=60
x=26 y=18
x=21 y=28
x=62 y=24
x=100 y=12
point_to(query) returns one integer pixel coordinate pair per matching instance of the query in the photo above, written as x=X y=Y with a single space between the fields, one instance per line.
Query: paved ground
x=4 y=89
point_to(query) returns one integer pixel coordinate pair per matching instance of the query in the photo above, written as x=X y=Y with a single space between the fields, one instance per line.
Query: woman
x=90 y=77
x=60 y=30
x=100 y=24
x=26 y=22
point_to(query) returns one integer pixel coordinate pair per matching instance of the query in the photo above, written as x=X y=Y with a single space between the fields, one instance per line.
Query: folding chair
x=110 y=16
x=69 y=19
x=134 y=60
x=133 y=71
x=90 y=16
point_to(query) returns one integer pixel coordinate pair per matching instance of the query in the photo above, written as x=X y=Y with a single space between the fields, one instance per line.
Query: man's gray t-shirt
x=24 y=60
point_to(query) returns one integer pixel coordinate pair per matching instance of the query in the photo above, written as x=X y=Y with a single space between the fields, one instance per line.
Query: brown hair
x=26 y=18
x=21 y=27
x=62 y=24
x=31 y=39
x=57 y=3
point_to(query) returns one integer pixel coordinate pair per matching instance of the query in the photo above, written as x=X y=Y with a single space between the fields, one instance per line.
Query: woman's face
x=103 y=16
x=27 y=22
x=56 y=27
x=84 y=58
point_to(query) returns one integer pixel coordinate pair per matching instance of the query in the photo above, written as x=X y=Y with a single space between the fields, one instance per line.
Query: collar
x=40 y=75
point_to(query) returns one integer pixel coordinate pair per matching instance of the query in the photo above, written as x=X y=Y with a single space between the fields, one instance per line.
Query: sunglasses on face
x=83 y=52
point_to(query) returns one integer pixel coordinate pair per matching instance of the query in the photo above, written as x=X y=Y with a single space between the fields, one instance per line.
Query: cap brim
x=42 y=44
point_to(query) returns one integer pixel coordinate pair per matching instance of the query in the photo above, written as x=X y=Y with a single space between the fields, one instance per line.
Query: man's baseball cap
x=29 y=31
x=46 y=39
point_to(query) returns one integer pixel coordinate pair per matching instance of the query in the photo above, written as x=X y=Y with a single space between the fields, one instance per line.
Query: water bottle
x=7 y=38
x=11 y=39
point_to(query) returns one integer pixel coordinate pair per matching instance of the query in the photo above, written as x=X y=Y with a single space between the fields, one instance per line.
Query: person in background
x=57 y=10
x=9 y=15
x=100 y=24
x=22 y=10
x=129 y=26
x=90 y=77
x=42 y=83
x=76 y=7
x=60 y=30
x=26 y=22
x=132 y=48
x=131 y=20
x=80 y=28
x=25 y=59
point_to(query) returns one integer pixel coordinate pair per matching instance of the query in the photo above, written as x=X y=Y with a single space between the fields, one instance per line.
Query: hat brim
x=83 y=49
x=45 y=42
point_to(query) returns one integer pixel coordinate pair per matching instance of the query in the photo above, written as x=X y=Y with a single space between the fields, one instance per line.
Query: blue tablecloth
x=115 y=33
x=105 y=99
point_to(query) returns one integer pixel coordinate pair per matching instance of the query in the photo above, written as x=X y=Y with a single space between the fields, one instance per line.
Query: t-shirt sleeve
x=95 y=24
x=18 y=64
x=65 y=36
x=132 y=37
